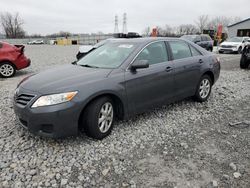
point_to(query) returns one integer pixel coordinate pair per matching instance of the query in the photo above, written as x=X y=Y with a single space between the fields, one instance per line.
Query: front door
x=152 y=86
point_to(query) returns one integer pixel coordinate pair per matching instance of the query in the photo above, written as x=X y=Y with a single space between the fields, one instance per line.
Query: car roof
x=145 y=40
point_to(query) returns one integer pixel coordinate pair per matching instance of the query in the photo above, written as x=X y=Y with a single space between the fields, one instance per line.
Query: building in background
x=240 y=29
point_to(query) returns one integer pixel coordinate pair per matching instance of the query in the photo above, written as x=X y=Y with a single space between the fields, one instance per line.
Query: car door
x=204 y=42
x=152 y=86
x=186 y=68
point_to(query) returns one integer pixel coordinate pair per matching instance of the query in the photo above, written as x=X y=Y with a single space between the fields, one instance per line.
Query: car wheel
x=99 y=118
x=220 y=52
x=243 y=62
x=7 y=70
x=203 y=89
x=239 y=50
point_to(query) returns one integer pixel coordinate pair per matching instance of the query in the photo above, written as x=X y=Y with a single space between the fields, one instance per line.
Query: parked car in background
x=117 y=80
x=203 y=40
x=36 y=42
x=245 y=56
x=233 y=45
x=12 y=58
x=85 y=49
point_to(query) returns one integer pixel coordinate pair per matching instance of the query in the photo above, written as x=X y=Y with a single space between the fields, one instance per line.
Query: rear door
x=187 y=62
x=205 y=42
x=152 y=86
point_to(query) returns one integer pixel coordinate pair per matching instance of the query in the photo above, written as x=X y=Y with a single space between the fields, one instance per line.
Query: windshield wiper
x=90 y=66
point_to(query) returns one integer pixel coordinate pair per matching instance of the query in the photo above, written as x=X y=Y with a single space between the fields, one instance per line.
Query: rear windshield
x=235 y=39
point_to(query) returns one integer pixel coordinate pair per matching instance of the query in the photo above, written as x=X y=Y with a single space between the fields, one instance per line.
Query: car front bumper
x=234 y=49
x=55 y=121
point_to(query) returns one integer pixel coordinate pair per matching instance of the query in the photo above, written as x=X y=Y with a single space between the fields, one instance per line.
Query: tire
x=7 y=70
x=220 y=52
x=95 y=112
x=239 y=50
x=243 y=62
x=203 y=89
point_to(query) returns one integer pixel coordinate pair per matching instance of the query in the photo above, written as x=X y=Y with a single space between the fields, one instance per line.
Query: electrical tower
x=125 y=30
x=116 y=25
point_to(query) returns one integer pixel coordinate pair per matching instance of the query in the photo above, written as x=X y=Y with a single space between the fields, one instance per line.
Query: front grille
x=24 y=99
x=226 y=46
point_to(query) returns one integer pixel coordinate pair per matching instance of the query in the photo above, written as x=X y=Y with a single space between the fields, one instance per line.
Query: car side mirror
x=197 y=41
x=73 y=63
x=139 y=64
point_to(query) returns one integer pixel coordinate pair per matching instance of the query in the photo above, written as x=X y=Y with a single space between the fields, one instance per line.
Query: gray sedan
x=117 y=80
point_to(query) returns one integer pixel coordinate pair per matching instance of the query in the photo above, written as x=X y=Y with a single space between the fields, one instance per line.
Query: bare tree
x=202 y=22
x=219 y=20
x=12 y=25
x=186 y=29
x=235 y=20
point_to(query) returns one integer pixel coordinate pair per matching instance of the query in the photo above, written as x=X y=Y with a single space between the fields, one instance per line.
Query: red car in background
x=12 y=58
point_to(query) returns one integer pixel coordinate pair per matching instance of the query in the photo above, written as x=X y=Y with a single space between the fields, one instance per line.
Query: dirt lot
x=185 y=144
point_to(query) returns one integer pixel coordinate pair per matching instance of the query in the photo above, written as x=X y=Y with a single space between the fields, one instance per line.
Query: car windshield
x=110 y=55
x=235 y=39
x=189 y=37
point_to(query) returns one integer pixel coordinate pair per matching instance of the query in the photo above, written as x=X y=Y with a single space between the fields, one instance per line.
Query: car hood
x=231 y=43
x=64 y=78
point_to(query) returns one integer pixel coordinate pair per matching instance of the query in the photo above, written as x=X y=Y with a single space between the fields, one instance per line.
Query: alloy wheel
x=6 y=70
x=105 y=118
x=204 y=88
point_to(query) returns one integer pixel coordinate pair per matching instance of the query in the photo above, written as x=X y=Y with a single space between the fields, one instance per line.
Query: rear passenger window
x=194 y=51
x=154 y=53
x=203 y=38
x=180 y=49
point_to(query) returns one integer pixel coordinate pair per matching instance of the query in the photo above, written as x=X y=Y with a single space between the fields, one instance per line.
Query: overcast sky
x=86 y=16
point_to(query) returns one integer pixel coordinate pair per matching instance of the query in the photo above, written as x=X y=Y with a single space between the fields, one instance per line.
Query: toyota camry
x=117 y=80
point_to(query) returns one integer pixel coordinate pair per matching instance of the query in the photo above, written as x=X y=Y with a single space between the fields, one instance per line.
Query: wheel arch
x=119 y=105
x=210 y=74
x=8 y=61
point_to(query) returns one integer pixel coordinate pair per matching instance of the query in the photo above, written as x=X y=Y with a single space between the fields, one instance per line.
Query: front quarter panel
x=113 y=85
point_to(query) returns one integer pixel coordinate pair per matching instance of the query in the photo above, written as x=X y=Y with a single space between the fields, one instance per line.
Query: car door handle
x=168 y=69
x=200 y=61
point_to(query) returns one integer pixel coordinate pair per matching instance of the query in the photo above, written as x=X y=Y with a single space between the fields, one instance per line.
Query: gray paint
x=139 y=91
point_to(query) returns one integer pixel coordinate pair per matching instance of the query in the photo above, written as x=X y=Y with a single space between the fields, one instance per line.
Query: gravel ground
x=185 y=144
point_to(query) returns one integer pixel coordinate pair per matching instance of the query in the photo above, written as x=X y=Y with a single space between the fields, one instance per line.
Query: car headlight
x=54 y=99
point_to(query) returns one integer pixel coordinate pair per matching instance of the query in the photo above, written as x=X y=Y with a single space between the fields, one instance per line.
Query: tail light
x=216 y=59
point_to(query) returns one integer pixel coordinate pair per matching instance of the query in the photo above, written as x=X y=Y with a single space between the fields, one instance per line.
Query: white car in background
x=36 y=42
x=234 y=44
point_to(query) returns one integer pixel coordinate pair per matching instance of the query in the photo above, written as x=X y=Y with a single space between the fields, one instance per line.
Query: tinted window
x=194 y=51
x=110 y=55
x=180 y=49
x=154 y=53
x=197 y=39
x=203 y=38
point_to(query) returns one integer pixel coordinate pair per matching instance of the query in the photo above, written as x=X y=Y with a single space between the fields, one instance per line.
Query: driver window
x=154 y=53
